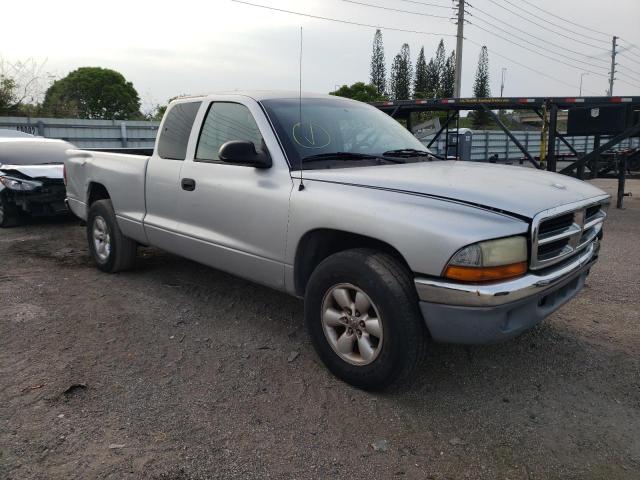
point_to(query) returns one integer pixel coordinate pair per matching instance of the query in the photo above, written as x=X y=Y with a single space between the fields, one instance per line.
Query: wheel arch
x=318 y=244
x=96 y=191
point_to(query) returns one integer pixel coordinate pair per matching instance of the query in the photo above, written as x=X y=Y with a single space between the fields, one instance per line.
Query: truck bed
x=122 y=174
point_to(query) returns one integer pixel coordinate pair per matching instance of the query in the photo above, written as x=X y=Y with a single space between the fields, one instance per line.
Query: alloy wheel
x=352 y=324
x=101 y=238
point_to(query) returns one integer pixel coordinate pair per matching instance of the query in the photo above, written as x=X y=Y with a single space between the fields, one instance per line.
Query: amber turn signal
x=485 y=274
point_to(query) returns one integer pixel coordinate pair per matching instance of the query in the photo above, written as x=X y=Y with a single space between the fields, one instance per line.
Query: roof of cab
x=259 y=95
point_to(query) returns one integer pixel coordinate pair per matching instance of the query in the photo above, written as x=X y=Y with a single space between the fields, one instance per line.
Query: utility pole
x=502 y=83
x=614 y=44
x=460 y=37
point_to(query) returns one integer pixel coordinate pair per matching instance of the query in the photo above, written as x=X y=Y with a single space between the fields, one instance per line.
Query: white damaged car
x=31 y=177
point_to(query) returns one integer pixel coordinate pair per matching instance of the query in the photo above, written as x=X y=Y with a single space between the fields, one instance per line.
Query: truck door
x=162 y=182
x=234 y=217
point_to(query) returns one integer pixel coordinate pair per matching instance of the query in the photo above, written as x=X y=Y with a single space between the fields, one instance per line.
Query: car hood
x=517 y=190
x=33 y=151
x=54 y=172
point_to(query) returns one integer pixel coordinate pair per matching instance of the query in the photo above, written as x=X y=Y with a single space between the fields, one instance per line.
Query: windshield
x=327 y=125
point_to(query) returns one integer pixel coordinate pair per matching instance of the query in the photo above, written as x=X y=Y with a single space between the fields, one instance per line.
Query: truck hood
x=54 y=171
x=517 y=190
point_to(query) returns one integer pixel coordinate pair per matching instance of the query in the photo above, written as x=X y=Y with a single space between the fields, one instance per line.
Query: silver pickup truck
x=335 y=202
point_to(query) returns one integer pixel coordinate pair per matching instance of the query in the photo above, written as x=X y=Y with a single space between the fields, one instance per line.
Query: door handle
x=188 y=184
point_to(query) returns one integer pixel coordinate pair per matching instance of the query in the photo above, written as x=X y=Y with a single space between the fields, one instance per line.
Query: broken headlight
x=19 y=184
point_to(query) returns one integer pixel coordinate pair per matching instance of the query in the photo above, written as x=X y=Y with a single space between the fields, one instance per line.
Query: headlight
x=19 y=184
x=490 y=260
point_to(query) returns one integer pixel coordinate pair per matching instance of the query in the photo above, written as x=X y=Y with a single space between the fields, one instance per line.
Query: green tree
x=481 y=89
x=93 y=92
x=440 y=63
x=481 y=86
x=420 y=83
x=402 y=74
x=448 y=78
x=433 y=79
x=7 y=95
x=158 y=113
x=359 y=91
x=378 y=68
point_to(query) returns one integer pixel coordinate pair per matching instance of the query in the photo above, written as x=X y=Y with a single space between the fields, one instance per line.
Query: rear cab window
x=176 y=129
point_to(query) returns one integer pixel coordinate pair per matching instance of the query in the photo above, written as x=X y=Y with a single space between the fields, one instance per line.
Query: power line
x=629 y=58
x=538 y=72
x=396 y=9
x=547 y=28
x=554 y=24
x=629 y=50
x=427 y=4
x=562 y=62
x=628 y=83
x=563 y=18
x=499 y=28
x=631 y=46
x=627 y=76
x=629 y=69
x=318 y=17
x=530 y=34
x=541 y=46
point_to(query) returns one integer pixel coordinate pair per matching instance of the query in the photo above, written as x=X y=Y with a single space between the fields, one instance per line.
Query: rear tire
x=361 y=309
x=110 y=249
x=9 y=213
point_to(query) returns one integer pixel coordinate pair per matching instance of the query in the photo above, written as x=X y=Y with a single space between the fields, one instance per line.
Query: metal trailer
x=547 y=109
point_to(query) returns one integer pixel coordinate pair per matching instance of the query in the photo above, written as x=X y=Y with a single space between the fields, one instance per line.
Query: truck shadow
x=520 y=368
x=63 y=219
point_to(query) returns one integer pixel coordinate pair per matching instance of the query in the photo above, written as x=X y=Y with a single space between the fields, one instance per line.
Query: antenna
x=301 y=186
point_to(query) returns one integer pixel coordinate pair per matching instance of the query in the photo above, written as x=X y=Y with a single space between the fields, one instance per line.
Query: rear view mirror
x=243 y=152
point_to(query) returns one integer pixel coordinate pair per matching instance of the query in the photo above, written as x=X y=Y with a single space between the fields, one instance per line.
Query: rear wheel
x=110 y=249
x=361 y=310
x=9 y=214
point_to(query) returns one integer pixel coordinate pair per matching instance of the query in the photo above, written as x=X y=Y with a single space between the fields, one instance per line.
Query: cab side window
x=176 y=129
x=224 y=122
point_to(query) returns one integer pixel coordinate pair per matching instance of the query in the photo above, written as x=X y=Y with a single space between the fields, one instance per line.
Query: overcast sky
x=170 y=48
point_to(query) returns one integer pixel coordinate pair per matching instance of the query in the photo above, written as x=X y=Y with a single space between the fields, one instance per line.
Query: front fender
x=425 y=231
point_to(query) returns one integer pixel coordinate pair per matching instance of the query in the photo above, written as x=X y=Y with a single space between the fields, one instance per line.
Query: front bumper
x=478 y=314
x=47 y=200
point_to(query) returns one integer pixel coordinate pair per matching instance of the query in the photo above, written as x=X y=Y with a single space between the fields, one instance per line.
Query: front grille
x=54 y=189
x=556 y=223
x=592 y=210
x=552 y=249
x=560 y=233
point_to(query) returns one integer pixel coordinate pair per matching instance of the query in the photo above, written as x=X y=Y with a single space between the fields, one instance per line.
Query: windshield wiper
x=347 y=156
x=407 y=153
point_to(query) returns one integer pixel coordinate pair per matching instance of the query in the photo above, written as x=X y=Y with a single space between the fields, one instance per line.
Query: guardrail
x=88 y=133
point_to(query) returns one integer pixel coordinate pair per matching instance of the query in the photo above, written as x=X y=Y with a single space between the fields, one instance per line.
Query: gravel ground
x=178 y=371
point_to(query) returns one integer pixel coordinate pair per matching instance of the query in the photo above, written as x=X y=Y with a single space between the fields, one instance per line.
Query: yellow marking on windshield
x=316 y=137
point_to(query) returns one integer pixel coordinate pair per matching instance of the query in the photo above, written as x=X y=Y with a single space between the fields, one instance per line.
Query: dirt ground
x=178 y=371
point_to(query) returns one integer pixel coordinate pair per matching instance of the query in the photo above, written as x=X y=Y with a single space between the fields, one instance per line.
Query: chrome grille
x=559 y=233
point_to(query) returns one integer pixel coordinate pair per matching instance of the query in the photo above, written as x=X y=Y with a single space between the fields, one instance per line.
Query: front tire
x=110 y=249
x=361 y=310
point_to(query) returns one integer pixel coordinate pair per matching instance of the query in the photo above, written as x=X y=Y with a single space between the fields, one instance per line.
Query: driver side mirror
x=243 y=152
